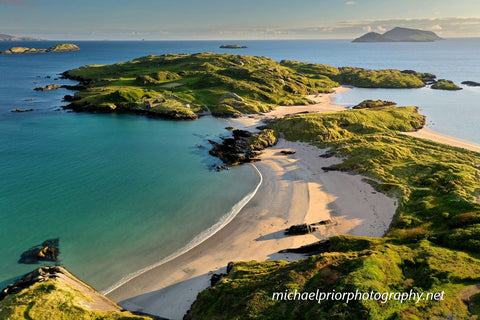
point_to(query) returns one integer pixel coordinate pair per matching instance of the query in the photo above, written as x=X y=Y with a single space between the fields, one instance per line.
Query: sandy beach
x=294 y=190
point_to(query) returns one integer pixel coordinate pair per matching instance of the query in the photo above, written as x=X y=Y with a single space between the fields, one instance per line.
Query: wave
x=197 y=240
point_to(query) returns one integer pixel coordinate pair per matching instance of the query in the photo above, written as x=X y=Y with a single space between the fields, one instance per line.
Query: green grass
x=206 y=80
x=54 y=300
x=246 y=293
x=433 y=244
x=200 y=80
x=445 y=85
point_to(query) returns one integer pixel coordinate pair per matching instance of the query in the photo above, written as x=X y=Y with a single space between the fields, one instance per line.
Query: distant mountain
x=400 y=35
x=6 y=37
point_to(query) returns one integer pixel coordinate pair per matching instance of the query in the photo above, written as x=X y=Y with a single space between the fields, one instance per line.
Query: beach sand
x=294 y=190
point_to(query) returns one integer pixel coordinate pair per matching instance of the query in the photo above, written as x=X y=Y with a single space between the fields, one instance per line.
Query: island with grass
x=64 y=47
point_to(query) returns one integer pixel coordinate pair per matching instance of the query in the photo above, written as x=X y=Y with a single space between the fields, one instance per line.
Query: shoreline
x=197 y=240
x=294 y=190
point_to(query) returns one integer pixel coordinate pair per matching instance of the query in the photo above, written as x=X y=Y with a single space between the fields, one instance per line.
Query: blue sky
x=239 y=19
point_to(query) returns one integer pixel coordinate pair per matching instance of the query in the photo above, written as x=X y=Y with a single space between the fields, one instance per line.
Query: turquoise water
x=121 y=192
x=125 y=192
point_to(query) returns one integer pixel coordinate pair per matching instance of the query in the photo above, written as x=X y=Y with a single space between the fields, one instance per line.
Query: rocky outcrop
x=242 y=147
x=471 y=83
x=58 y=48
x=300 y=229
x=39 y=275
x=234 y=150
x=372 y=104
x=47 y=251
x=22 y=110
x=48 y=87
x=286 y=152
x=232 y=46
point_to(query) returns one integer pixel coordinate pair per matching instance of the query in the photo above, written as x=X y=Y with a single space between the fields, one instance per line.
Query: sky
x=233 y=19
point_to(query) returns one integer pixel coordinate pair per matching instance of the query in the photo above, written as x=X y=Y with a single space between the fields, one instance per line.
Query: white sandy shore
x=294 y=190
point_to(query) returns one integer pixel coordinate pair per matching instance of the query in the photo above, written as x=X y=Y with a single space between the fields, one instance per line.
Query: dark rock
x=229 y=128
x=471 y=83
x=230 y=266
x=30 y=99
x=48 y=87
x=300 y=229
x=232 y=46
x=22 y=110
x=215 y=279
x=311 y=249
x=241 y=134
x=327 y=154
x=68 y=98
x=288 y=152
x=235 y=150
x=47 y=251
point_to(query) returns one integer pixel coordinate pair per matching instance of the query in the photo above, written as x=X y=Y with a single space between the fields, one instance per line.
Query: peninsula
x=6 y=37
x=58 y=48
x=186 y=86
x=399 y=34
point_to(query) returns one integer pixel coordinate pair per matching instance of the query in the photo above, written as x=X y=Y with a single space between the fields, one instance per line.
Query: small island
x=399 y=34
x=64 y=47
x=232 y=46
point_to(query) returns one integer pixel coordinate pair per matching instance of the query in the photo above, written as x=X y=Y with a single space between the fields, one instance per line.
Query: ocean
x=124 y=192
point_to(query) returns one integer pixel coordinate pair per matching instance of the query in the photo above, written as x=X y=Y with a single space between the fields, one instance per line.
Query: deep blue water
x=93 y=180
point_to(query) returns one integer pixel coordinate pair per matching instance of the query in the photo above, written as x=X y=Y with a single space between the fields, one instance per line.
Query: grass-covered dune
x=433 y=244
x=181 y=86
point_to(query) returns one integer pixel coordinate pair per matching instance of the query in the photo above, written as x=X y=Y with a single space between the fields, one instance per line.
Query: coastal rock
x=288 y=152
x=216 y=278
x=372 y=104
x=230 y=266
x=232 y=46
x=39 y=275
x=22 y=110
x=471 y=83
x=443 y=84
x=242 y=147
x=304 y=228
x=47 y=251
x=48 y=87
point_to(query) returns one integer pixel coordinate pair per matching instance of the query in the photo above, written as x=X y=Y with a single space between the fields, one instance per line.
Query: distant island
x=399 y=35
x=232 y=46
x=6 y=37
x=58 y=48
